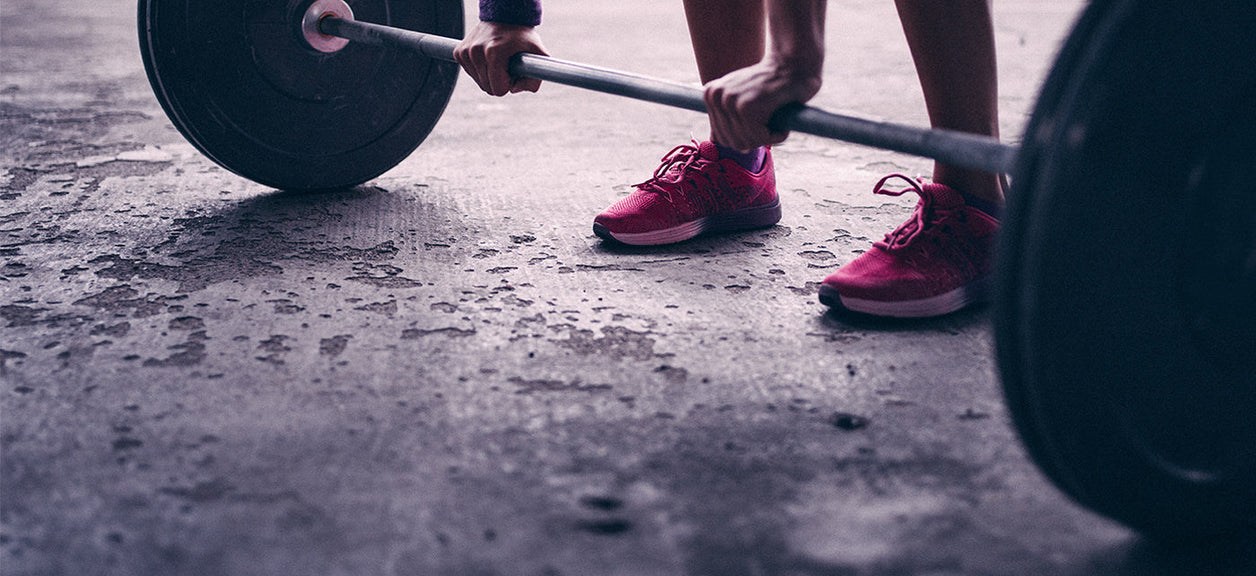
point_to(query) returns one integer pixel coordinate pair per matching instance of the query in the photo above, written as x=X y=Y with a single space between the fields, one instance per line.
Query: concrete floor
x=445 y=372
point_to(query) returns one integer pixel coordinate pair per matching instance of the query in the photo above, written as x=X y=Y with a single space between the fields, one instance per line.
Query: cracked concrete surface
x=445 y=372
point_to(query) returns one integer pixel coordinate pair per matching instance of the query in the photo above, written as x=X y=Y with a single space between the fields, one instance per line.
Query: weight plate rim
x=1057 y=89
x=398 y=141
x=173 y=114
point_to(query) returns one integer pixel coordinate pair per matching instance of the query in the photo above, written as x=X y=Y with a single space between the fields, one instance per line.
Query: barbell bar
x=958 y=148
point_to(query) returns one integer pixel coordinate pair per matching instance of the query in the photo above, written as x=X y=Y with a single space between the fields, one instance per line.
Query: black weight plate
x=1126 y=294
x=237 y=80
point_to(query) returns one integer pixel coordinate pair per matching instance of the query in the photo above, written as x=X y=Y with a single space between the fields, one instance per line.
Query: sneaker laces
x=679 y=161
x=907 y=232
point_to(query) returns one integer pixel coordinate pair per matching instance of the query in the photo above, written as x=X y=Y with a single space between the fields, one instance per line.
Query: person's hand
x=741 y=103
x=485 y=55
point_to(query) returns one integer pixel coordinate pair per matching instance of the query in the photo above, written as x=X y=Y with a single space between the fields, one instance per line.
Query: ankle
x=752 y=161
x=992 y=209
x=973 y=183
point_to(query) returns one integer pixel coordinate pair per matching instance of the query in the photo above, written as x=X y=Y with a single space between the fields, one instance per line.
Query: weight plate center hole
x=314 y=15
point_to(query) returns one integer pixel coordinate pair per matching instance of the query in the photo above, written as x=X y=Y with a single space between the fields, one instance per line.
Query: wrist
x=505 y=28
x=802 y=69
x=799 y=53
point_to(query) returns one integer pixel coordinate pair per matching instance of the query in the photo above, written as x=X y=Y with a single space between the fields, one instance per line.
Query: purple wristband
x=518 y=12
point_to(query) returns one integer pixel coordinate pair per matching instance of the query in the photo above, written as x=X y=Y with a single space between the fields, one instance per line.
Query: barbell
x=1125 y=305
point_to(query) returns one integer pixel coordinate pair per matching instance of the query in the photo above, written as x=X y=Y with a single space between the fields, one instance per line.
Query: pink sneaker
x=692 y=192
x=937 y=262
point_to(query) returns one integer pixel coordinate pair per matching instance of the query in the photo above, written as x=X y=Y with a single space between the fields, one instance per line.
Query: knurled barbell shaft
x=950 y=147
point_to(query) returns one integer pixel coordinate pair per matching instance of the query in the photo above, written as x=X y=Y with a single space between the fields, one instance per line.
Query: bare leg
x=952 y=43
x=727 y=35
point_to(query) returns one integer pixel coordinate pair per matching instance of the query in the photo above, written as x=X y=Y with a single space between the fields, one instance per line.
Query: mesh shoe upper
x=944 y=246
x=691 y=183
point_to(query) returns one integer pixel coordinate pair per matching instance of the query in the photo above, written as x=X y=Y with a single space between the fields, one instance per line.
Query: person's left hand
x=741 y=103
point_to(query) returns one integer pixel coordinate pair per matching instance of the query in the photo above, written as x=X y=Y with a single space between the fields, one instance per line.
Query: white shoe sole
x=973 y=293
x=744 y=219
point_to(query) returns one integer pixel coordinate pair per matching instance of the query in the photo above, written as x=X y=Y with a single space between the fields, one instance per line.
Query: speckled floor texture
x=445 y=372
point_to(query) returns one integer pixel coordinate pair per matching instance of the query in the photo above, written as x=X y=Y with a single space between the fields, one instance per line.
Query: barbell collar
x=949 y=147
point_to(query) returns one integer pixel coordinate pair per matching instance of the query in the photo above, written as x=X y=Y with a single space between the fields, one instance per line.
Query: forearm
x=797 y=36
x=517 y=12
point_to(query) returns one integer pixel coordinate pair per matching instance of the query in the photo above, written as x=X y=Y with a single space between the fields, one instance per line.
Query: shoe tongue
x=708 y=151
x=943 y=196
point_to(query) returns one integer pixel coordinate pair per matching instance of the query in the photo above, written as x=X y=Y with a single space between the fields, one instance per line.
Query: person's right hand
x=741 y=103
x=485 y=55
